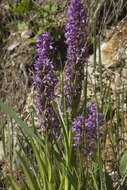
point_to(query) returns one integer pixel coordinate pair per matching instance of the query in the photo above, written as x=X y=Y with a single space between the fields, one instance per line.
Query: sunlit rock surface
x=113 y=57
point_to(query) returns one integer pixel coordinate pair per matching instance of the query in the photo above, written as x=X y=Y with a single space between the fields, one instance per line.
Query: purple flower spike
x=45 y=79
x=76 y=52
x=89 y=130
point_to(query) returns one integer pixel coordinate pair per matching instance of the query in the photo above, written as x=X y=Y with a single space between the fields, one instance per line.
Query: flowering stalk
x=87 y=131
x=76 y=52
x=45 y=79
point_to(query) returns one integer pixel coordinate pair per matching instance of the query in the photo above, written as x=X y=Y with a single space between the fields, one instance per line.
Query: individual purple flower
x=76 y=52
x=46 y=79
x=87 y=131
x=35 y=167
x=78 y=127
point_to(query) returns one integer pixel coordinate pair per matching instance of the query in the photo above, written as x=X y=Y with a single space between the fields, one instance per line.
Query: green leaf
x=21 y=123
x=62 y=183
x=31 y=180
x=20 y=10
x=3 y=134
x=63 y=124
x=49 y=168
x=54 y=7
x=71 y=176
x=30 y=160
x=10 y=142
x=13 y=184
x=41 y=163
x=94 y=181
x=109 y=182
x=32 y=40
x=123 y=164
x=21 y=26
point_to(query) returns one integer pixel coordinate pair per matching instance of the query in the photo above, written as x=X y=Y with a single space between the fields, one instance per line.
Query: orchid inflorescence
x=46 y=80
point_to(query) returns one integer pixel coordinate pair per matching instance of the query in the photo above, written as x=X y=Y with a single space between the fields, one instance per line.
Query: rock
x=124 y=73
x=1 y=151
x=13 y=46
x=114 y=58
x=25 y=34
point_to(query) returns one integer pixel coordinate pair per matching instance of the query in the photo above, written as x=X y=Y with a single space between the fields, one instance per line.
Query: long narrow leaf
x=65 y=131
x=3 y=134
x=94 y=182
x=13 y=184
x=31 y=180
x=30 y=160
x=20 y=122
x=41 y=164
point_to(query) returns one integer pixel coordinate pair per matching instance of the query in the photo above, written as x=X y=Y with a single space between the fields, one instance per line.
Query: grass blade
x=20 y=122
x=31 y=180
x=13 y=184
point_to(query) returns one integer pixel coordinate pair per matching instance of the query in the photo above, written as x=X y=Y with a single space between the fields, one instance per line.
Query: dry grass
x=105 y=12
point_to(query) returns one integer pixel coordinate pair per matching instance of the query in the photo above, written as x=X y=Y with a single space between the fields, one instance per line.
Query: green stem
x=66 y=183
x=50 y=186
